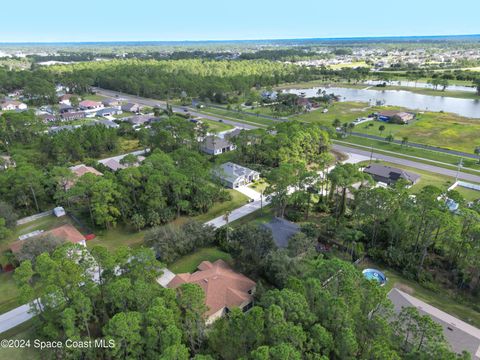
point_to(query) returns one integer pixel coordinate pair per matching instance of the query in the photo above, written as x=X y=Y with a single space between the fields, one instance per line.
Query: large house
x=215 y=145
x=109 y=111
x=6 y=105
x=90 y=105
x=65 y=232
x=79 y=171
x=460 y=335
x=234 y=176
x=390 y=175
x=131 y=107
x=224 y=288
x=399 y=117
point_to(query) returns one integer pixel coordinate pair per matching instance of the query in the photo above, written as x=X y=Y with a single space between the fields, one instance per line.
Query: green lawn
x=218 y=209
x=25 y=331
x=444 y=130
x=443 y=299
x=468 y=194
x=259 y=185
x=189 y=263
x=238 y=116
x=8 y=293
x=216 y=126
x=258 y=217
x=94 y=97
x=116 y=237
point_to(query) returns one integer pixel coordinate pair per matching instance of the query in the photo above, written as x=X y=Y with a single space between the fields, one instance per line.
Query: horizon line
x=240 y=40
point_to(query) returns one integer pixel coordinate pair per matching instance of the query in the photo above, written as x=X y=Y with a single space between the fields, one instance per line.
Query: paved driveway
x=252 y=194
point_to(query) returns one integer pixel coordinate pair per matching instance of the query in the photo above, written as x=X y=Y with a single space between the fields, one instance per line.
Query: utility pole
x=460 y=164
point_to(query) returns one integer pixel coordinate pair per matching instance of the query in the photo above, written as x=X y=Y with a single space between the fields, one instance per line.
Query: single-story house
x=303 y=102
x=90 y=105
x=68 y=116
x=56 y=129
x=224 y=288
x=110 y=102
x=234 y=176
x=7 y=104
x=66 y=108
x=138 y=120
x=131 y=107
x=269 y=95
x=47 y=117
x=390 y=175
x=282 y=230
x=215 y=145
x=79 y=171
x=400 y=117
x=107 y=123
x=109 y=111
x=65 y=99
x=114 y=163
x=65 y=232
x=460 y=335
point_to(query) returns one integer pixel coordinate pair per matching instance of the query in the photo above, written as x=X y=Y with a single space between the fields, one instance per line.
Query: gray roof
x=391 y=173
x=214 y=142
x=231 y=172
x=105 y=122
x=139 y=119
x=109 y=110
x=282 y=230
x=460 y=335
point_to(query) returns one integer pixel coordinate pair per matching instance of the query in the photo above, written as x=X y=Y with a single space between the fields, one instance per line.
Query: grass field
x=432 y=128
x=25 y=331
x=239 y=116
x=216 y=126
x=8 y=293
x=189 y=263
x=444 y=300
x=218 y=209
x=93 y=97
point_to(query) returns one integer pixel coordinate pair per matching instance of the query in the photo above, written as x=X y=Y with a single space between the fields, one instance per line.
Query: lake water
x=464 y=107
x=421 y=85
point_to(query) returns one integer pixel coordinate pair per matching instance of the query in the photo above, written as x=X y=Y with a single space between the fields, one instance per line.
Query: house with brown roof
x=65 y=232
x=394 y=116
x=7 y=104
x=224 y=288
x=90 y=105
x=79 y=171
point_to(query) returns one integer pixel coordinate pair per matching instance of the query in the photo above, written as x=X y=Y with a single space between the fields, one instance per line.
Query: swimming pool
x=374 y=274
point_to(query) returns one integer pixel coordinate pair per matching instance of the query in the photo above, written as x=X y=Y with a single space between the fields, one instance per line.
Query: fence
x=34 y=217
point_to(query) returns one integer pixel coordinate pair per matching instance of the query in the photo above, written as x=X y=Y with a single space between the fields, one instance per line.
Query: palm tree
x=381 y=128
x=405 y=141
x=226 y=218
x=389 y=138
x=336 y=123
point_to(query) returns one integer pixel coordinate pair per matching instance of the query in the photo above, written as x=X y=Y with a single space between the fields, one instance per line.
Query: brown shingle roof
x=223 y=287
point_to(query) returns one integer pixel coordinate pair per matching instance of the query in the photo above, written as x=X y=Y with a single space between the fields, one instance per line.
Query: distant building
x=65 y=99
x=215 y=145
x=90 y=105
x=138 y=120
x=110 y=102
x=224 y=288
x=79 y=171
x=131 y=107
x=114 y=163
x=109 y=111
x=107 y=123
x=69 y=116
x=234 y=176
x=59 y=211
x=6 y=162
x=282 y=230
x=8 y=105
x=399 y=117
x=269 y=95
x=390 y=175
x=65 y=232
x=460 y=335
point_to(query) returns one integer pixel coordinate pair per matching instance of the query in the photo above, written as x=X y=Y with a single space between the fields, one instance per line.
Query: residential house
x=110 y=102
x=269 y=95
x=215 y=145
x=282 y=230
x=65 y=232
x=460 y=335
x=90 y=105
x=131 y=107
x=65 y=108
x=394 y=116
x=79 y=171
x=224 y=288
x=107 y=123
x=65 y=99
x=109 y=111
x=234 y=176
x=138 y=120
x=47 y=117
x=7 y=104
x=390 y=175
x=69 y=116
x=114 y=163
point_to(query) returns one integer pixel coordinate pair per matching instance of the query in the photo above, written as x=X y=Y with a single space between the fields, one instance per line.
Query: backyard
x=189 y=263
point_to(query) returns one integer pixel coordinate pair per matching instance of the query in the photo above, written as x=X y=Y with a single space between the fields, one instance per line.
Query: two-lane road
x=163 y=104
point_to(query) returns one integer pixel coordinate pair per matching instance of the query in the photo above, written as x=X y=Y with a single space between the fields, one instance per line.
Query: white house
x=7 y=105
x=234 y=176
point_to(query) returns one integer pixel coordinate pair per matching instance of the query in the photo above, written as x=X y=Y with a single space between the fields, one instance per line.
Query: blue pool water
x=374 y=274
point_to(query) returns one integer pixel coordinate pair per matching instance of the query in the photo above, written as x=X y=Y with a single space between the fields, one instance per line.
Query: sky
x=160 y=20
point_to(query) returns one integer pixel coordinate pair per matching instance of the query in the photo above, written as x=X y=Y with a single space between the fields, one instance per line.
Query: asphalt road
x=410 y=163
x=163 y=104
x=392 y=159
